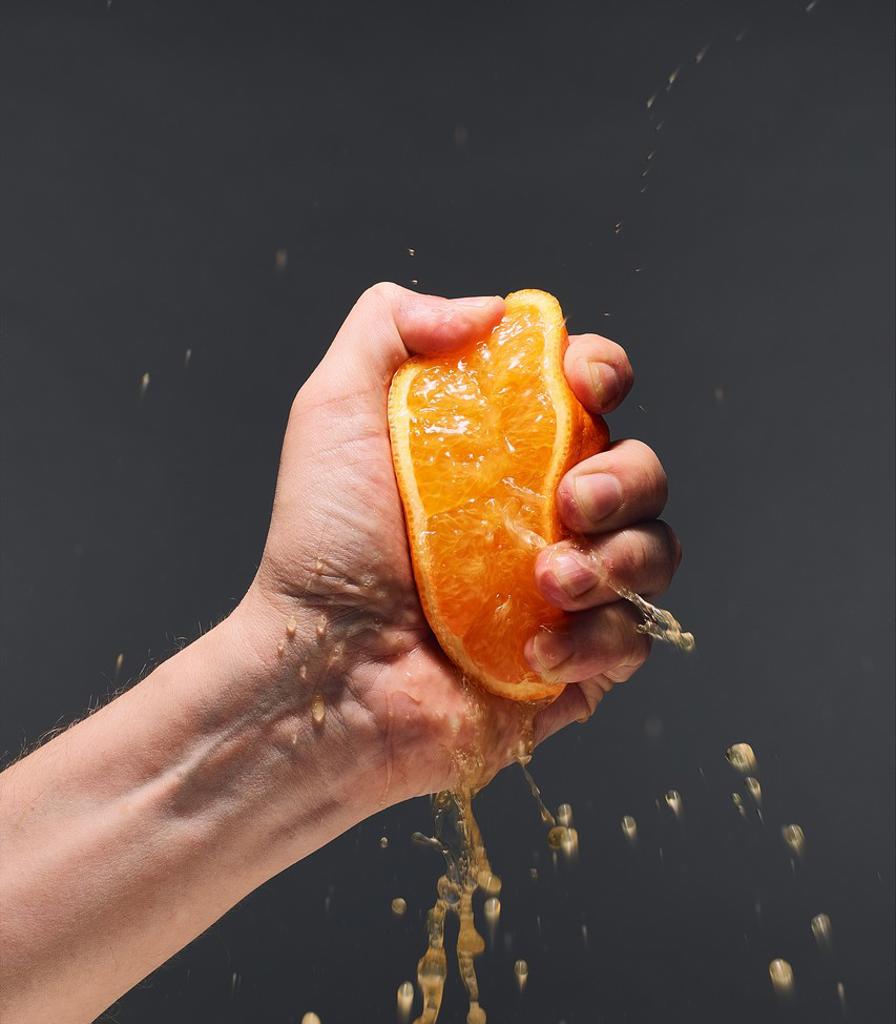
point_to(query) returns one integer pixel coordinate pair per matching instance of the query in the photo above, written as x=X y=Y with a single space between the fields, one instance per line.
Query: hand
x=336 y=561
x=130 y=833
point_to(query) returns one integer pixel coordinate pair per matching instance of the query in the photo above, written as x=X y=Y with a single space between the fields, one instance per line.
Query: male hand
x=337 y=559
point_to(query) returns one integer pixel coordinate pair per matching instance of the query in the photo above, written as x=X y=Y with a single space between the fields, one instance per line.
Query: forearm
x=128 y=835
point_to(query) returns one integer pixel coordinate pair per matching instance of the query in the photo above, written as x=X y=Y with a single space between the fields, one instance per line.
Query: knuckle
x=632 y=645
x=628 y=555
x=379 y=295
x=673 y=544
x=568 y=506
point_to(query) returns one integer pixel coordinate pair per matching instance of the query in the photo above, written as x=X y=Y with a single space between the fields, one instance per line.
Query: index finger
x=598 y=371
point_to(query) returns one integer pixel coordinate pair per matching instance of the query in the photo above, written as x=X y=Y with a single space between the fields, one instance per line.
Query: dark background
x=156 y=155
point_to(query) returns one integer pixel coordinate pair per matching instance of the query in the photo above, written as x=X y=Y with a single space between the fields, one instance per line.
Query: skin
x=132 y=832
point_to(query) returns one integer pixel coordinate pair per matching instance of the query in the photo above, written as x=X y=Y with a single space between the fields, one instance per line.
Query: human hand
x=335 y=594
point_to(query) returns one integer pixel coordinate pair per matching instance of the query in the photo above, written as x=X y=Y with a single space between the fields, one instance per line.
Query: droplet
x=702 y=53
x=280 y=649
x=384 y=842
x=673 y=802
x=793 y=836
x=630 y=828
x=144 y=384
x=841 y=994
x=754 y=789
x=741 y=758
x=119 y=664
x=188 y=355
x=781 y=974
x=650 y=101
x=569 y=844
x=405 y=1000
x=521 y=970
x=281 y=258
x=318 y=709
x=412 y=252
x=492 y=909
x=291 y=628
x=739 y=804
x=461 y=136
x=399 y=906
x=564 y=814
x=533 y=874
x=488 y=882
x=310 y=1018
x=555 y=836
x=822 y=931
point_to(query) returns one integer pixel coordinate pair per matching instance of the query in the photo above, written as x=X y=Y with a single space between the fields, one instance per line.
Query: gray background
x=155 y=155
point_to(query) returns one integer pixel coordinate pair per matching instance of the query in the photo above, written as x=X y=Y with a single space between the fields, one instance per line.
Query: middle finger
x=626 y=484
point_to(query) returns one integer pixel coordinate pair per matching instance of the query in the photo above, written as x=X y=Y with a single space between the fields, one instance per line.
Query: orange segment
x=480 y=440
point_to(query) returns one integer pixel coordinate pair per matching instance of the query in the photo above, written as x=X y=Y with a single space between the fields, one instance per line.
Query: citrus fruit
x=480 y=440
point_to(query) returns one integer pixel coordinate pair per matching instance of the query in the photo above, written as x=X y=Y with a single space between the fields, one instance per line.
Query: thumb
x=386 y=326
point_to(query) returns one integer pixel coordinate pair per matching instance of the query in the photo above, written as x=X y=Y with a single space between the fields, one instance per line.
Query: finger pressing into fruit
x=584 y=574
x=623 y=485
x=600 y=641
x=598 y=371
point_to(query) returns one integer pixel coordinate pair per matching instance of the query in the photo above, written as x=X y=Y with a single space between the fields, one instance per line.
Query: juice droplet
x=291 y=628
x=822 y=930
x=555 y=836
x=399 y=906
x=781 y=974
x=754 y=789
x=794 y=838
x=281 y=258
x=119 y=664
x=521 y=970
x=384 y=842
x=533 y=874
x=741 y=758
x=280 y=649
x=310 y=1018
x=404 y=1000
x=657 y=622
x=673 y=802
x=564 y=814
x=841 y=994
x=492 y=908
x=144 y=384
x=739 y=804
x=630 y=828
x=188 y=355
x=318 y=709
x=489 y=883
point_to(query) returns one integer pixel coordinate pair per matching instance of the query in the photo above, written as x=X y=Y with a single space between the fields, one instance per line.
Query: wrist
x=288 y=688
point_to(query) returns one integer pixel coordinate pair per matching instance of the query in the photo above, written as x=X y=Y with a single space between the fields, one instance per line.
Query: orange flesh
x=480 y=441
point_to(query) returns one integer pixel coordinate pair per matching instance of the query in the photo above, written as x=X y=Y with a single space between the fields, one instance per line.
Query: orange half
x=480 y=440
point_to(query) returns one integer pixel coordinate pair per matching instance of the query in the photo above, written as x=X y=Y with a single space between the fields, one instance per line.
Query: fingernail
x=573 y=573
x=477 y=301
x=598 y=495
x=547 y=649
x=605 y=381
